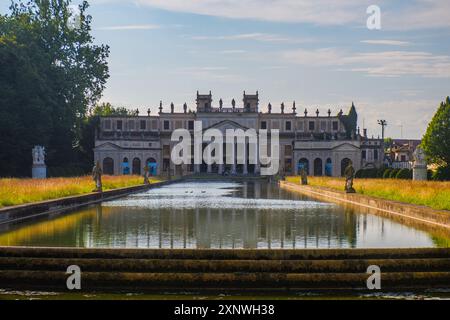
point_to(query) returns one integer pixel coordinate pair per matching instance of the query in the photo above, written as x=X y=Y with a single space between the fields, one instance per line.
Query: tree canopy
x=52 y=73
x=436 y=141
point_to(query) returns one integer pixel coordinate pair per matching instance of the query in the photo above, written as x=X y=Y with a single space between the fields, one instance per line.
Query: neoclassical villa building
x=323 y=144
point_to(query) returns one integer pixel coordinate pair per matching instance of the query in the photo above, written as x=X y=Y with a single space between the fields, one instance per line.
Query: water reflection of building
x=323 y=143
x=224 y=229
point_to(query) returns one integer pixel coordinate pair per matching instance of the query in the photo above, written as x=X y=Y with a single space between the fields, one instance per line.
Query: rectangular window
x=335 y=126
x=364 y=154
x=263 y=125
x=166 y=151
x=178 y=124
x=166 y=125
x=190 y=125
x=375 y=154
x=119 y=125
x=288 y=150
x=312 y=126
x=288 y=126
x=143 y=125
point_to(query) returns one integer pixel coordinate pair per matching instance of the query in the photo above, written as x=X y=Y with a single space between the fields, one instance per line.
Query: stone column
x=233 y=166
x=245 y=170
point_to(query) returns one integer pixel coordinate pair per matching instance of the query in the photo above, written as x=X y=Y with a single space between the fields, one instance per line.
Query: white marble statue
x=38 y=155
x=419 y=165
x=419 y=156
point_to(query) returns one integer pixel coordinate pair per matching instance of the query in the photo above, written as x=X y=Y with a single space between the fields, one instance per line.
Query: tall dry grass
x=20 y=191
x=433 y=194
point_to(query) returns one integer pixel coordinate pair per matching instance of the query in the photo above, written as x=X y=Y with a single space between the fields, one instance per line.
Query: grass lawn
x=20 y=191
x=433 y=194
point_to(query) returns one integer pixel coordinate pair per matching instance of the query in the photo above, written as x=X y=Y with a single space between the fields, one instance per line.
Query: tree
x=50 y=75
x=436 y=141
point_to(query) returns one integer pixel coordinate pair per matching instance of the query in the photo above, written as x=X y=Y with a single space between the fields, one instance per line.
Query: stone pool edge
x=26 y=211
x=416 y=213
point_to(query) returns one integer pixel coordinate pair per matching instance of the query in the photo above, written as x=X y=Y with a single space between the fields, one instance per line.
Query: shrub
x=405 y=174
x=359 y=174
x=380 y=172
x=387 y=173
x=442 y=174
x=393 y=173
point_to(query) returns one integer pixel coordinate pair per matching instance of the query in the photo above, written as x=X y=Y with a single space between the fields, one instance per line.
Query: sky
x=319 y=54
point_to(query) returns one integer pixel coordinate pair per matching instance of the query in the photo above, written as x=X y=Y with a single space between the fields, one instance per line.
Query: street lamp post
x=383 y=124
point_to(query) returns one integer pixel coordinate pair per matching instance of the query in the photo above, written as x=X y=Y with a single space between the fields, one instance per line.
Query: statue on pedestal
x=303 y=177
x=146 y=174
x=349 y=176
x=39 y=169
x=97 y=177
x=419 y=165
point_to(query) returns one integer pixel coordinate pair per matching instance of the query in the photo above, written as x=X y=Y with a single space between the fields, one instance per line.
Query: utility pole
x=383 y=124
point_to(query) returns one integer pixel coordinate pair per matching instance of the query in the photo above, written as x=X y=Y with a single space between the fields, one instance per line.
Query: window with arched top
x=318 y=167
x=136 y=168
x=303 y=163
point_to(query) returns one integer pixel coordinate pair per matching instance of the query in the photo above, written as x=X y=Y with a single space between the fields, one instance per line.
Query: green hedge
x=66 y=172
x=385 y=173
x=405 y=174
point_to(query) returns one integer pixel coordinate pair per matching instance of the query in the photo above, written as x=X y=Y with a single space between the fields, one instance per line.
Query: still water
x=217 y=215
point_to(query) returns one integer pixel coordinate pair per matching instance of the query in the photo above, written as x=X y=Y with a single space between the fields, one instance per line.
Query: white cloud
x=385 y=63
x=386 y=42
x=131 y=27
x=262 y=37
x=415 y=14
x=323 y=12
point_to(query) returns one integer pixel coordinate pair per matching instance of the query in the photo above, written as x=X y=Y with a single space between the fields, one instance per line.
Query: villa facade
x=323 y=144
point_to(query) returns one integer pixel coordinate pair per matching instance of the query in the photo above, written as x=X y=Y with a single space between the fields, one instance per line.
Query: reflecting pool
x=201 y=214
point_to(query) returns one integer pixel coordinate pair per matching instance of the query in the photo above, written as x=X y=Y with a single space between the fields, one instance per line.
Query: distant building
x=323 y=144
x=400 y=154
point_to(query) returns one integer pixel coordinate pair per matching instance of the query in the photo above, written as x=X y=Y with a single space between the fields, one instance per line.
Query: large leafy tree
x=51 y=73
x=436 y=141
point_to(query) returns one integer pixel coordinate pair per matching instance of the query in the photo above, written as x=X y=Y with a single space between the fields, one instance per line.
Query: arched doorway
x=329 y=168
x=125 y=166
x=152 y=166
x=108 y=166
x=344 y=164
x=303 y=163
x=136 y=166
x=318 y=167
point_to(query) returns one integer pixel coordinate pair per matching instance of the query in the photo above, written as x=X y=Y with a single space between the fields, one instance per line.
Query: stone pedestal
x=39 y=171
x=420 y=173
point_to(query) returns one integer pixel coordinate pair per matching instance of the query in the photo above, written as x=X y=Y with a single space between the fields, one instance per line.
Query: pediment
x=346 y=147
x=226 y=124
x=107 y=146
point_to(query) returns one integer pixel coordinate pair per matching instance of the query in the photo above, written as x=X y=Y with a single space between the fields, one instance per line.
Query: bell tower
x=251 y=102
x=204 y=102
